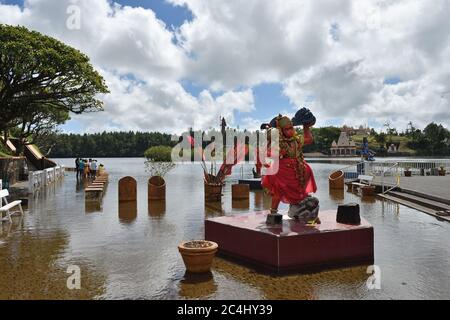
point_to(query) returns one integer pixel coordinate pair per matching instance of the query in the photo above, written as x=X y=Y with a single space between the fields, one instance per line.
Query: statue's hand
x=304 y=117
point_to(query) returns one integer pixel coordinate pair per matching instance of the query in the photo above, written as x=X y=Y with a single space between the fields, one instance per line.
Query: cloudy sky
x=174 y=64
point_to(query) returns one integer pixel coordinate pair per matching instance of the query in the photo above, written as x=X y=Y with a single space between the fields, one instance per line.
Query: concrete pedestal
x=292 y=246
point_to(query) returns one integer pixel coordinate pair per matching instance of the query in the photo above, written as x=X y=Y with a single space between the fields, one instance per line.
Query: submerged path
x=433 y=187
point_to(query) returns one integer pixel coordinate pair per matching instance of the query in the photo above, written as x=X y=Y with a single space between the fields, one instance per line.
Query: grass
x=3 y=151
x=373 y=144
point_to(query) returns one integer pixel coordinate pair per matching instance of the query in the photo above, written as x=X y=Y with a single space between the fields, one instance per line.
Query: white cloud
x=332 y=56
x=236 y=44
x=162 y=106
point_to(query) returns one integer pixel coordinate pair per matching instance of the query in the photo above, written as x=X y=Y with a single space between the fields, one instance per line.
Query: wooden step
x=415 y=206
x=438 y=206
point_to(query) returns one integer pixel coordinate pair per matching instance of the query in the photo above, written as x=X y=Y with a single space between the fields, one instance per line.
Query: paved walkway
x=438 y=187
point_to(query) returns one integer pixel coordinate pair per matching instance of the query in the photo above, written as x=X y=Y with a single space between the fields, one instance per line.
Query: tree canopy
x=42 y=80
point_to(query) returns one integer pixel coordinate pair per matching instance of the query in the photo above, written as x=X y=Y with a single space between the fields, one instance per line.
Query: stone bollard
x=127 y=189
x=240 y=191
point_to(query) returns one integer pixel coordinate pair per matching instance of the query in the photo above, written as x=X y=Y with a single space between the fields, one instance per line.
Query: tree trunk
x=20 y=148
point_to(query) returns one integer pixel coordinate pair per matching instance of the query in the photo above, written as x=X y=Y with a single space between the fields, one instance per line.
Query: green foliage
x=323 y=138
x=159 y=154
x=103 y=145
x=433 y=140
x=41 y=81
x=4 y=151
x=159 y=160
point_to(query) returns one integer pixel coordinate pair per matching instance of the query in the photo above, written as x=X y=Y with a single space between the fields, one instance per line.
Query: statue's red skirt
x=286 y=185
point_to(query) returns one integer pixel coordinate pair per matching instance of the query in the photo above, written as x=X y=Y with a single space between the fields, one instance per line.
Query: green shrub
x=159 y=154
x=159 y=161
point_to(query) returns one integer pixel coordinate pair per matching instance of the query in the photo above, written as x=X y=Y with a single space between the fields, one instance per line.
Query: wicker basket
x=213 y=192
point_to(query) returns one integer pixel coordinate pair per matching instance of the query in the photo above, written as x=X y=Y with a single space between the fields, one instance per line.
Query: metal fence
x=388 y=174
x=41 y=179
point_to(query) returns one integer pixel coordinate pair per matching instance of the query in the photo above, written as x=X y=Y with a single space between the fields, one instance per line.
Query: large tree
x=42 y=80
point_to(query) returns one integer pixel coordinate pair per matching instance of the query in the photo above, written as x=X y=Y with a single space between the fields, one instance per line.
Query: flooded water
x=136 y=257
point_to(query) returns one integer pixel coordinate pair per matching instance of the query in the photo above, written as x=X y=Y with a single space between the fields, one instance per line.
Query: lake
x=137 y=258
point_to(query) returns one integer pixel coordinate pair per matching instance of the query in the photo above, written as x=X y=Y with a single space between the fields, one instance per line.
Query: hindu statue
x=294 y=181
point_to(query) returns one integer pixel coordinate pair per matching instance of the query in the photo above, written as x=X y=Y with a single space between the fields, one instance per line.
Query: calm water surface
x=126 y=257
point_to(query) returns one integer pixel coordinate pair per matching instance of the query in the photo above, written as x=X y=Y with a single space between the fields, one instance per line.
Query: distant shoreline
x=307 y=156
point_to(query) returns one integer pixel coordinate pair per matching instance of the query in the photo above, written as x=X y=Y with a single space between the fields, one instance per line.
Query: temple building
x=344 y=147
x=362 y=130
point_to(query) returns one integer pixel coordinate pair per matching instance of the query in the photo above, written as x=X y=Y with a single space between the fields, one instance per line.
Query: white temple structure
x=344 y=147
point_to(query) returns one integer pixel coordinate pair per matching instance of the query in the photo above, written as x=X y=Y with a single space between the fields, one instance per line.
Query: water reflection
x=127 y=211
x=156 y=208
x=31 y=269
x=214 y=209
x=197 y=286
x=298 y=287
x=368 y=199
x=81 y=184
x=337 y=195
x=389 y=207
x=92 y=206
x=241 y=205
x=261 y=200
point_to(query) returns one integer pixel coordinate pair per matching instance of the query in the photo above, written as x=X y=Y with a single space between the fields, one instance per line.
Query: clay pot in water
x=198 y=255
x=336 y=180
x=156 y=188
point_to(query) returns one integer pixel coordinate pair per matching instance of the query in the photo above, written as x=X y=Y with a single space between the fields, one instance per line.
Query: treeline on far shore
x=102 y=145
x=433 y=140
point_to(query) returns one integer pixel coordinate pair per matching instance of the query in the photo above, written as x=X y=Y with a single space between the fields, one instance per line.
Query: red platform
x=292 y=247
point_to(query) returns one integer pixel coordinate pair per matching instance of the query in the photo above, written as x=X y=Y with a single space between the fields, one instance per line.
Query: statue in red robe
x=294 y=181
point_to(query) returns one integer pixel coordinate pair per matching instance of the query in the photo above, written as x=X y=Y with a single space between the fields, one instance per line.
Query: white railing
x=352 y=172
x=41 y=179
x=418 y=167
x=391 y=172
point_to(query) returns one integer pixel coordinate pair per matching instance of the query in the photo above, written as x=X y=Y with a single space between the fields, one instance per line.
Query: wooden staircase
x=430 y=205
